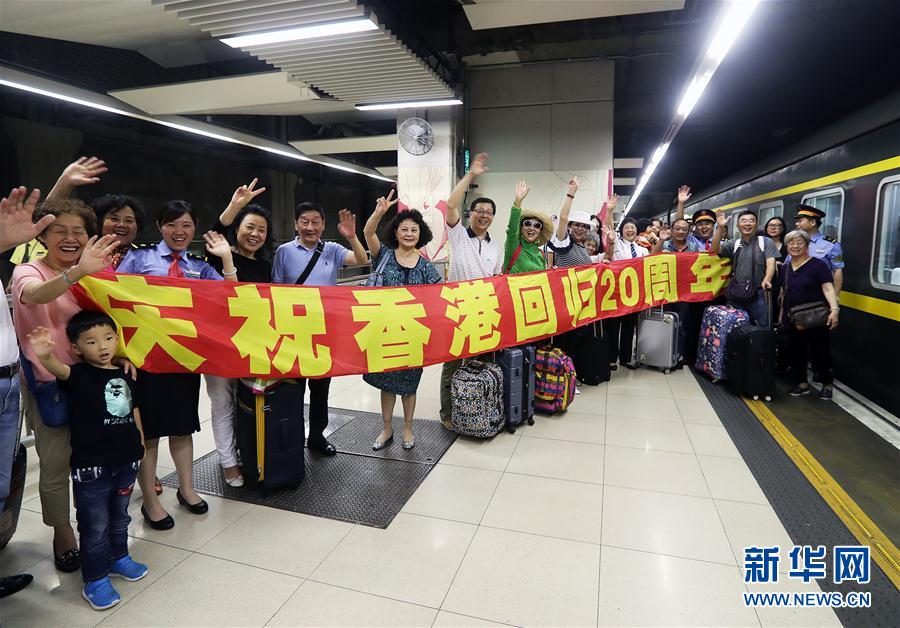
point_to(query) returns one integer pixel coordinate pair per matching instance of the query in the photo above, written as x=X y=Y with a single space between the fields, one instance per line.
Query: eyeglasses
x=483 y=212
x=537 y=224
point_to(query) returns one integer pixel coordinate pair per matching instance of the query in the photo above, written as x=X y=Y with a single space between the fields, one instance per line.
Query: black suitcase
x=528 y=383
x=517 y=365
x=750 y=361
x=9 y=518
x=270 y=435
x=591 y=358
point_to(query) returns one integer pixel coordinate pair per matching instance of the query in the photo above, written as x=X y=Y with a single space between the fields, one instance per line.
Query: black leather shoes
x=69 y=561
x=322 y=446
x=166 y=523
x=200 y=508
x=14 y=584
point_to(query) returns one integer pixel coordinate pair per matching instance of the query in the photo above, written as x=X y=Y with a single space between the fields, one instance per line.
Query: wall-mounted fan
x=416 y=136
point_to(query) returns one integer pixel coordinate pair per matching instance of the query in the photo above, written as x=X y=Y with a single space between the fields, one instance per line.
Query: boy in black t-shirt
x=107 y=447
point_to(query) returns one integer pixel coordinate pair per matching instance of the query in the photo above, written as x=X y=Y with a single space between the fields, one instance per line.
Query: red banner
x=272 y=330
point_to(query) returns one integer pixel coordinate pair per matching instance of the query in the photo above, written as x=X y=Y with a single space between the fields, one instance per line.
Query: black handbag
x=806 y=315
x=744 y=292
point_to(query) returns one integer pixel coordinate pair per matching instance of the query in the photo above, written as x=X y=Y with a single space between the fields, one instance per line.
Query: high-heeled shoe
x=200 y=508
x=379 y=446
x=166 y=523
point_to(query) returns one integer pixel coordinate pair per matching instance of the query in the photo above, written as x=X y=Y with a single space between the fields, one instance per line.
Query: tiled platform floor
x=631 y=509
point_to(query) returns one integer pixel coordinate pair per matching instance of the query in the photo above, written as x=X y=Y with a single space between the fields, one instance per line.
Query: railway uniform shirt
x=701 y=244
x=830 y=251
x=472 y=257
x=628 y=250
x=567 y=253
x=292 y=257
x=155 y=259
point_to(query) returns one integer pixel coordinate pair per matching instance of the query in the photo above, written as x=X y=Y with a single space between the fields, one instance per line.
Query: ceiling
x=799 y=65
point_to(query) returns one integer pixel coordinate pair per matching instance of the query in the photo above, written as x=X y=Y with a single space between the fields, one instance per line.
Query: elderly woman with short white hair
x=809 y=310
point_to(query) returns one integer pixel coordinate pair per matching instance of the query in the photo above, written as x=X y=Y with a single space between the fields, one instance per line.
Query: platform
x=631 y=509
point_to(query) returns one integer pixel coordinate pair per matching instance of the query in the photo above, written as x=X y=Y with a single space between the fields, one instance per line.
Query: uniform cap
x=704 y=214
x=809 y=211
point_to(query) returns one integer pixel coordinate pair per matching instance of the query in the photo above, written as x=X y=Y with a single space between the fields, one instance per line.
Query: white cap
x=582 y=217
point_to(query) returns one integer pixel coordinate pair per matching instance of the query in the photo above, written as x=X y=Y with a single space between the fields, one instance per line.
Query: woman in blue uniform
x=160 y=416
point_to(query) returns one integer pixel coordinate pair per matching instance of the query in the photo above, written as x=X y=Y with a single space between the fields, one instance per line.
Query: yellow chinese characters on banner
x=271 y=330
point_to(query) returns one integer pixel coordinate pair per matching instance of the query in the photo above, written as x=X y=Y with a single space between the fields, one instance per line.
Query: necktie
x=708 y=246
x=174 y=269
x=633 y=251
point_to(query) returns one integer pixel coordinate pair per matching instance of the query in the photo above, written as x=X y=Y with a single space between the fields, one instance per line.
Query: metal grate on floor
x=358 y=485
x=805 y=515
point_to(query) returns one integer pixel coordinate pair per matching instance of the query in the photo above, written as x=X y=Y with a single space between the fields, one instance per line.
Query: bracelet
x=570 y=195
x=234 y=272
x=65 y=275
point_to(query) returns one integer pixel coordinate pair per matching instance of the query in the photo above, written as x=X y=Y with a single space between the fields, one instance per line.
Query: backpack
x=554 y=380
x=476 y=394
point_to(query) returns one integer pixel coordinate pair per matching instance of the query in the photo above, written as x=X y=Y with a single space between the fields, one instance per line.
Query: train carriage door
x=768 y=211
x=831 y=201
x=886 y=250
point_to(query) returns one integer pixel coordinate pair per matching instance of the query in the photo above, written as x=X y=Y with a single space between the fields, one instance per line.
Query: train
x=851 y=170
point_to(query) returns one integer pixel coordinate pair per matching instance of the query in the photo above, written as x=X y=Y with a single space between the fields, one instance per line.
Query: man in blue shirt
x=809 y=219
x=292 y=262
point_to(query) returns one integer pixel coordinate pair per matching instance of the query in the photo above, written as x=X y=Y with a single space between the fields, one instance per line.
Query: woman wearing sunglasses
x=526 y=233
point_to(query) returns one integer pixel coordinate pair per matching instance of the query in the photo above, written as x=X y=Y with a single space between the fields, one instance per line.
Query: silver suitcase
x=659 y=340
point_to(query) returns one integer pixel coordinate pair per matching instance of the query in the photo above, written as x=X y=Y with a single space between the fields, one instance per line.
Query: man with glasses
x=309 y=261
x=753 y=265
x=473 y=254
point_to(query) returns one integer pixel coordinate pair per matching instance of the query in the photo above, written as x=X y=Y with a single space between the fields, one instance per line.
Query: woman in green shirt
x=526 y=233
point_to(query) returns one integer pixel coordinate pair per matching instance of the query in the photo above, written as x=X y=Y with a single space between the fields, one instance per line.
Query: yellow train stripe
x=837 y=177
x=871 y=305
x=883 y=551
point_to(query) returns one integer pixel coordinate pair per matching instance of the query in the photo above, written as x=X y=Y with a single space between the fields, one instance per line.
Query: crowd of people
x=107 y=436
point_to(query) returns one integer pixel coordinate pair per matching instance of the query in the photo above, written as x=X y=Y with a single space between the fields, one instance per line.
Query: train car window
x=886 y=249
x=768 y=211
x=831 y=201
x=735 y=232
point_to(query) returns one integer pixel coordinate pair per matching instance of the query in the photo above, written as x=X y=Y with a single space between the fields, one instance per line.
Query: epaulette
x=133 y=246
x=830 y=239
x=148 y=245
x=201 y=258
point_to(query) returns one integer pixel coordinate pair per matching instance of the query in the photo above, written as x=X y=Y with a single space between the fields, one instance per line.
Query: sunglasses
x=537 y=224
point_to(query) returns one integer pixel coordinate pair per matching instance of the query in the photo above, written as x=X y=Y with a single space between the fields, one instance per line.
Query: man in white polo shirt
x=473 y=254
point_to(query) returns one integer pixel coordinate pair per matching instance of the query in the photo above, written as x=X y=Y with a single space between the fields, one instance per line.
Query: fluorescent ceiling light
x=736 y=15
x=305 y=32
x=184 y=127
x=410 y=105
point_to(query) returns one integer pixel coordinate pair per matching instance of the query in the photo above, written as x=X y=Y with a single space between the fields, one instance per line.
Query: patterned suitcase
x=718 y=321
x=476 y=390
x=554 y=381
x=659 y=340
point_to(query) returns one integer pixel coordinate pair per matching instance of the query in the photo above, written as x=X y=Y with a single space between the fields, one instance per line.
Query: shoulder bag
x=743 y=292
x=806 y=315
x=51 y=400
x=311 y=263
x=377 y=276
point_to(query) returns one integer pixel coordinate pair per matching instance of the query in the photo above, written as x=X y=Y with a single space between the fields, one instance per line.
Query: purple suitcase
x=718 y=321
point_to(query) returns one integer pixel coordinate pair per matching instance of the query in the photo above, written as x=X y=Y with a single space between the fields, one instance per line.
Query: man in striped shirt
x=473 y=254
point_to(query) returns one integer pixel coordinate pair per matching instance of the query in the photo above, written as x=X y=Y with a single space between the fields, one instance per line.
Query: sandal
x=157 y=486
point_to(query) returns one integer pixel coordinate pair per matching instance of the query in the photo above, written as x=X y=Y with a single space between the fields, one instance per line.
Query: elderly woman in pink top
x=42 y=297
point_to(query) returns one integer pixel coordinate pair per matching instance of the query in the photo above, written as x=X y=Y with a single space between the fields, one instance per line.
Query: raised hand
x=95 y=256
x=722 y=219
x=612 y=201
x=245 y=194
x=684 y=193
x=573 y=185
x=16 y=212
x=384 y=203
x=479 y=164
x=522 y=191
x=41 y=342
x=216 y=244
x=83 y=171
x=665 y=233
x=610 y=236
x=347 y=224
